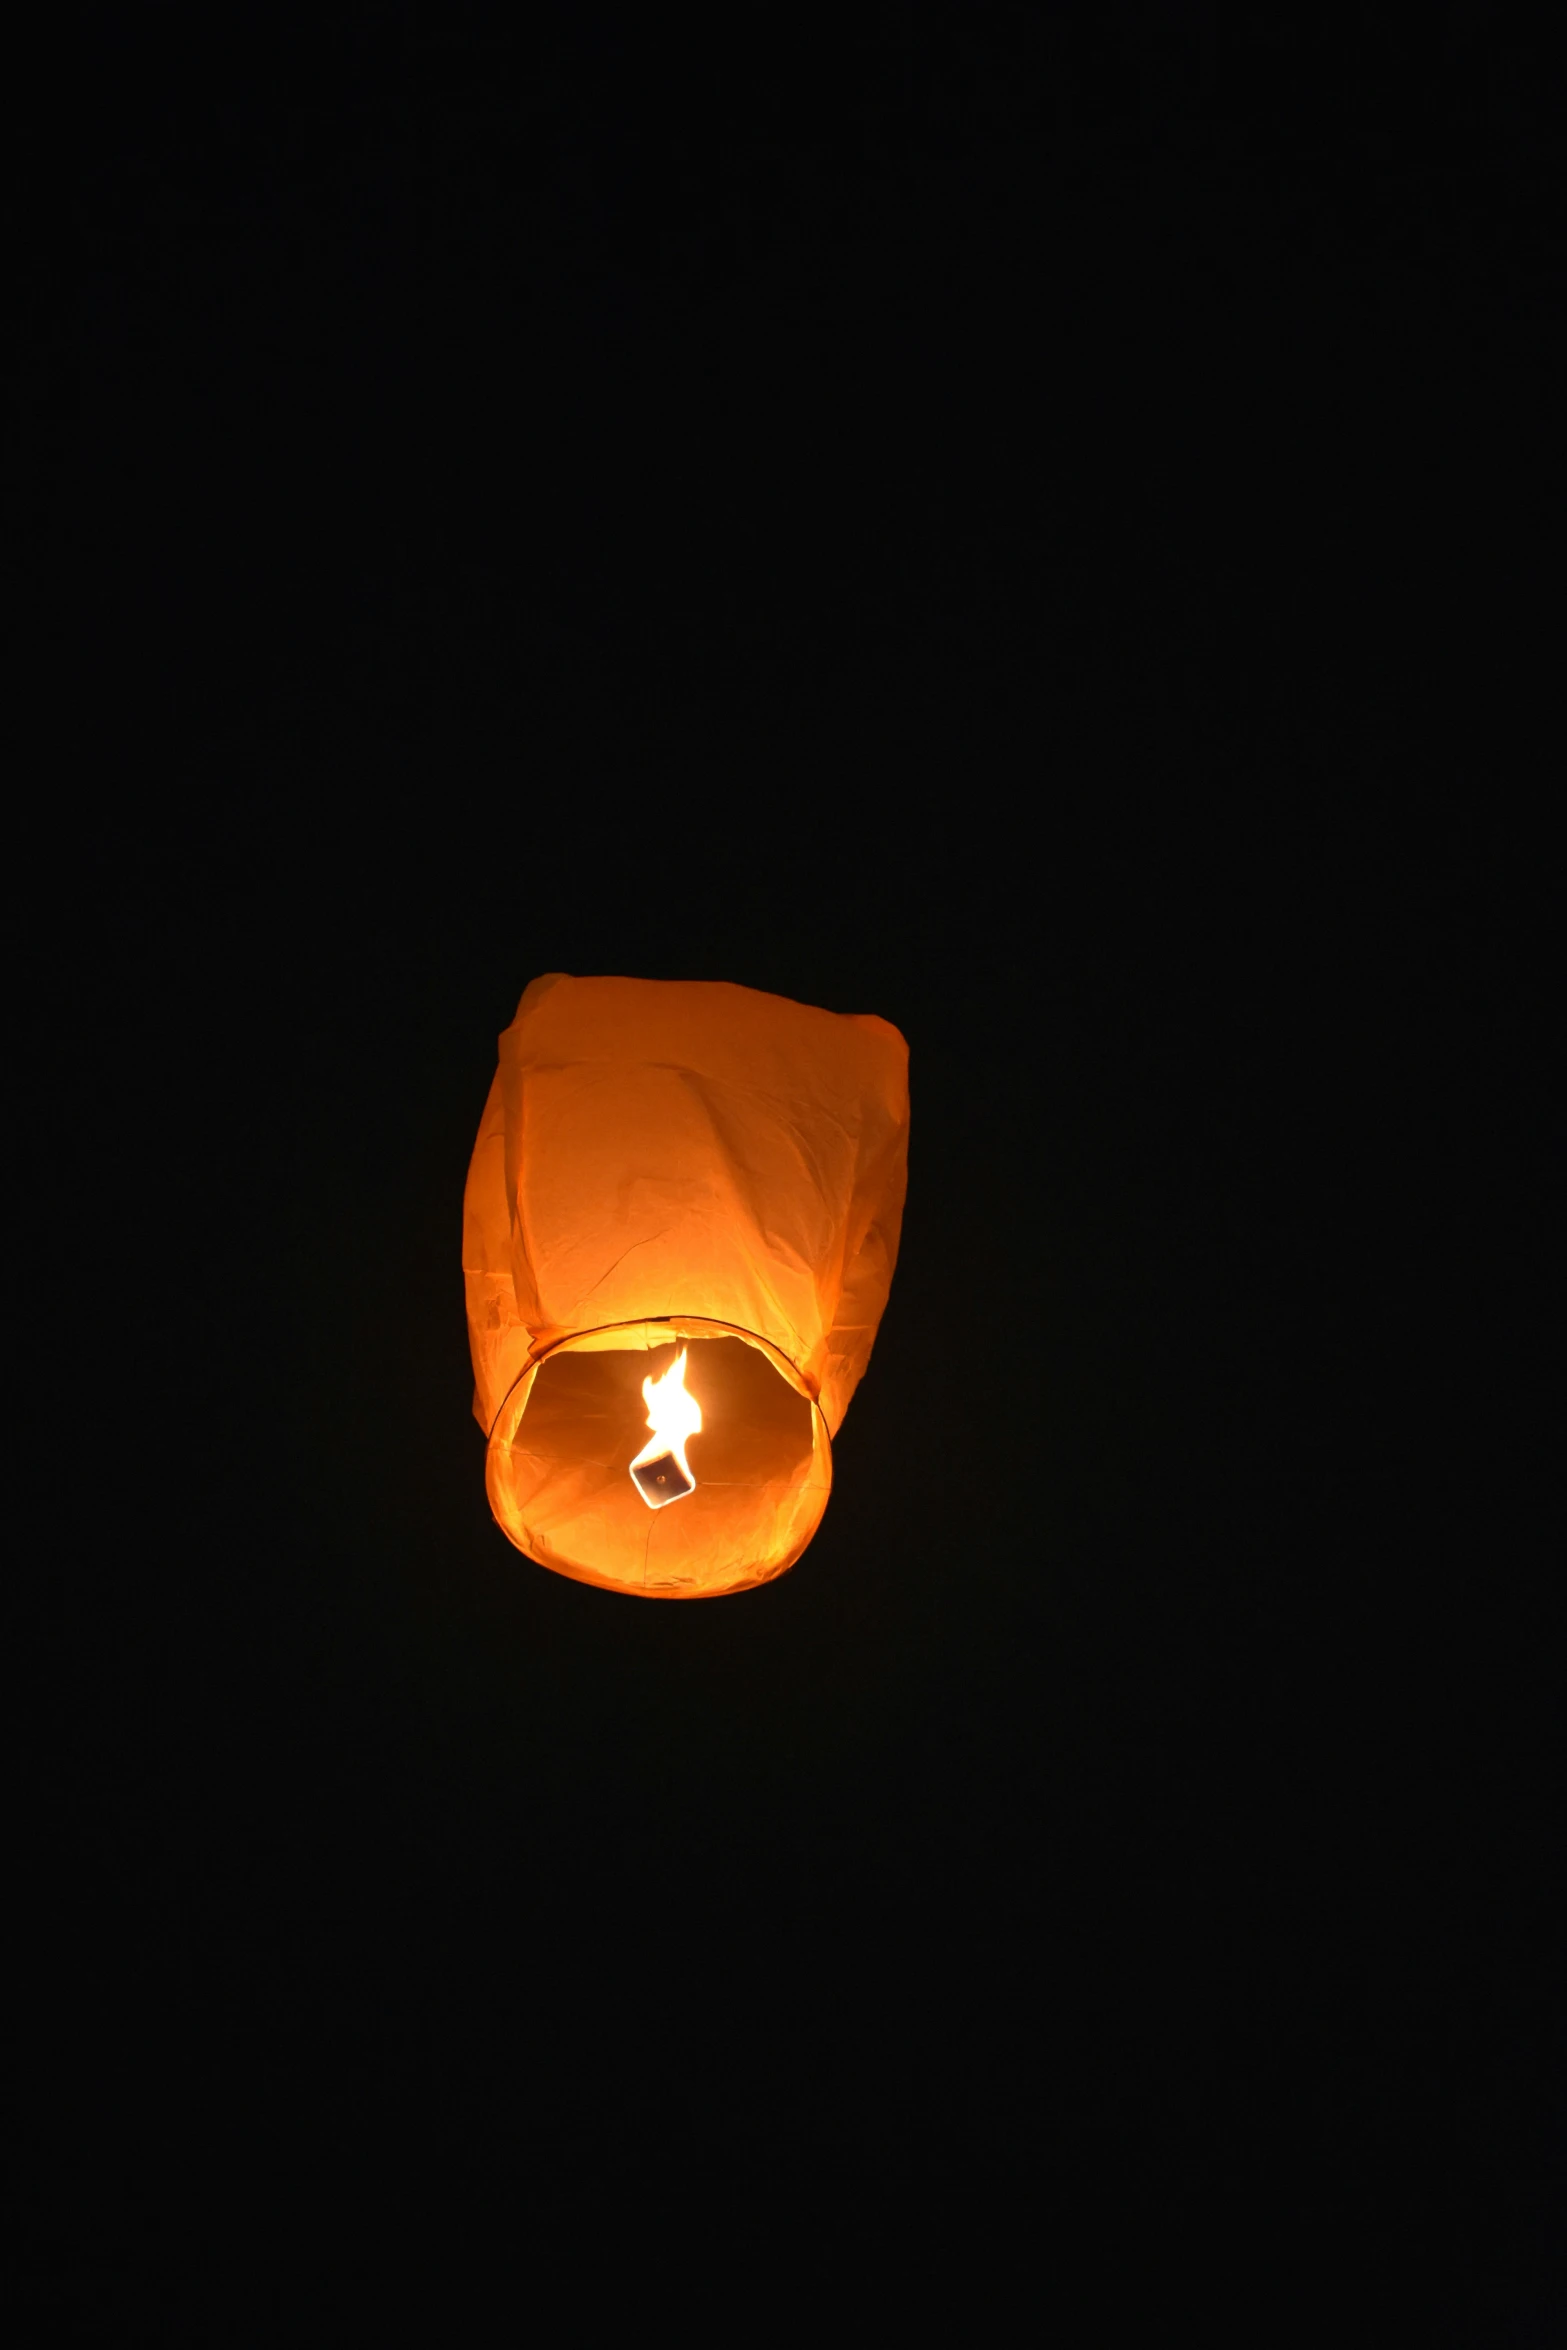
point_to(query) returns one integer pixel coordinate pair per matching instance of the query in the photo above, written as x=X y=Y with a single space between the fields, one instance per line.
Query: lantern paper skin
x=665 y=1163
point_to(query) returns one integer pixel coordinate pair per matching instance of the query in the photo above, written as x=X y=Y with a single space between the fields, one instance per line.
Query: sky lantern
x=679 y=1231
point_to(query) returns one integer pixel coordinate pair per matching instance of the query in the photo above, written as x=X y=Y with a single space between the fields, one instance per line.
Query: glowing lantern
x=681 y=1217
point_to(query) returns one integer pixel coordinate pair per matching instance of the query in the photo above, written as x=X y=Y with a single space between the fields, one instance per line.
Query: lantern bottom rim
x=564 y=1497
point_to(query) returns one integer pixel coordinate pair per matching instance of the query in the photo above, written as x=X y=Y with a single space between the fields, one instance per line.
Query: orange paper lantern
x=679 y=1231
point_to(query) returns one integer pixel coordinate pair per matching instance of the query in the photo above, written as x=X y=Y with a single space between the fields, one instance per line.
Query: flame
x=673 y=1414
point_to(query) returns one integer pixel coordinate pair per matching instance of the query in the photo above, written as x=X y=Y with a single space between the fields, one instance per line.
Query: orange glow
x=664 y=1162
x=673 y=1414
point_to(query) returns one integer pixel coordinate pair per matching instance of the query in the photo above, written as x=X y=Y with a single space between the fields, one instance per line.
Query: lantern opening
x=573 y=1426
x=661 y=1473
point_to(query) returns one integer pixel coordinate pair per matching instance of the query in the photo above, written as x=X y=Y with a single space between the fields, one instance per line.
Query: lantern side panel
x=499 y=1339
x=700 y=1148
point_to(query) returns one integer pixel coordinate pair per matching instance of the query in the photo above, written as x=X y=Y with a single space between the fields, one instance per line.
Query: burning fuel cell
x=661 y=1473
x=662 y=1481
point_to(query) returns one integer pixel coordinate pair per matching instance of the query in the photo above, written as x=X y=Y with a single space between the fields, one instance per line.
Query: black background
x=1035 y=529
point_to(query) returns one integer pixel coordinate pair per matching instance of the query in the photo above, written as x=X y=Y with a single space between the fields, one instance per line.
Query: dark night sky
x=1031 y=532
